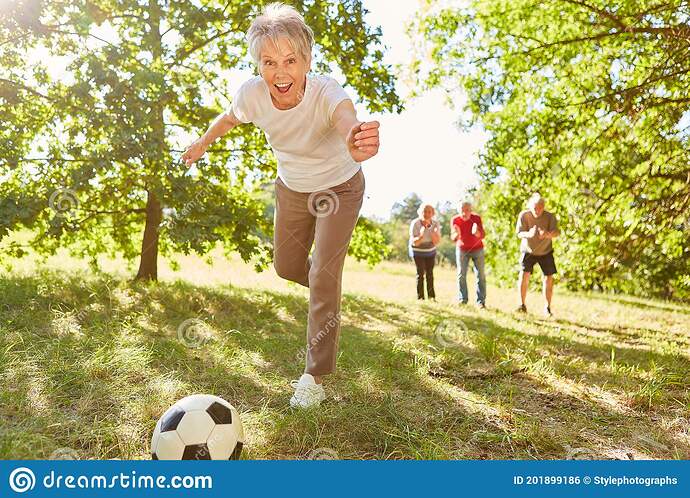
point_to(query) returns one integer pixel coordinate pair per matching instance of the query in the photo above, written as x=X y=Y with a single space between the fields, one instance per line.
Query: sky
x=422 y=150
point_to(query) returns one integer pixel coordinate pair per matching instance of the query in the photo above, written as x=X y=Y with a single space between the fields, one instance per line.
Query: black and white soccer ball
x=198 y=427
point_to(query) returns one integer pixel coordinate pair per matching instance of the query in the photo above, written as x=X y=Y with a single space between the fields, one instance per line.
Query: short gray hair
x=464 y=203
x=423 y=206
x=535 y=199
x=278 y=20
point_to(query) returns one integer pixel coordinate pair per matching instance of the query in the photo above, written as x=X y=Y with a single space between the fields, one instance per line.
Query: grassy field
x=89 y=361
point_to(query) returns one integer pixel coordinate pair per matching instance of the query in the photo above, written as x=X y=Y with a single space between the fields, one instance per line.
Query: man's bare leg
x=523 y=285
x=548 y=290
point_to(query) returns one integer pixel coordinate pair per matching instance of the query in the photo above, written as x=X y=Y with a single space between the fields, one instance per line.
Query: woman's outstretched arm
x=220 y=126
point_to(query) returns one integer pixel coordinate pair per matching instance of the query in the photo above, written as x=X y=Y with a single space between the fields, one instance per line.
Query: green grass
x=89 y=361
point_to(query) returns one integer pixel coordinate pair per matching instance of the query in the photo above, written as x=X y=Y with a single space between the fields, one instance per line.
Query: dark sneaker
x=481 y=306
x=462 y=303
x=521 y=309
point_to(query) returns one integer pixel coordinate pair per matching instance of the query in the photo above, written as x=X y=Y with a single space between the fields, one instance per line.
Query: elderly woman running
x=312 y=127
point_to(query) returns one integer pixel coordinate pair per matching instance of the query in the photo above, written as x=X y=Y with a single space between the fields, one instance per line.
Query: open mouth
x=283 y=87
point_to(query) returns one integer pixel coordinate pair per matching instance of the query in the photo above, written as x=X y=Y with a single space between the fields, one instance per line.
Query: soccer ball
x=198 y=427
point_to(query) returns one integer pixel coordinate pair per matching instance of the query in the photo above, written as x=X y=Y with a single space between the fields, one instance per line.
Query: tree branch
x=26 y=88
x=601 y=12
x=93 y=214
x=186 y=53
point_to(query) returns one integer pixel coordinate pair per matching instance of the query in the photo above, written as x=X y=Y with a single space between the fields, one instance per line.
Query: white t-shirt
x=311 y=154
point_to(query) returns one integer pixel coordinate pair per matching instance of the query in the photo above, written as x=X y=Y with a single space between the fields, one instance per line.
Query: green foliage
x=446 y=248
x=396 y=234
x=406 y=210
x=368 y=242
x=92 y=140
x=585 y=102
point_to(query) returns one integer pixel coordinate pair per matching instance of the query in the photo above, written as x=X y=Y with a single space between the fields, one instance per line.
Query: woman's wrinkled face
x=428 y=213
x=284 y=71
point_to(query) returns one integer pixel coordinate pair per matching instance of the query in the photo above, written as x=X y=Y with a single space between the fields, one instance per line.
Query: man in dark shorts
x=536 y=228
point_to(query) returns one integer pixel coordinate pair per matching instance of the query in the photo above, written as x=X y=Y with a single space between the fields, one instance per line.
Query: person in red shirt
x=467 y=231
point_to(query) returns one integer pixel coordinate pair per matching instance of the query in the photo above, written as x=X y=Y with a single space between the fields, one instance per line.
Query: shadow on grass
x=580 y=378
x=91 y=363
x=636 y=302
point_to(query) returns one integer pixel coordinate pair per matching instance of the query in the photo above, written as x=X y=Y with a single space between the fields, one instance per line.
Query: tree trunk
x=148 y=264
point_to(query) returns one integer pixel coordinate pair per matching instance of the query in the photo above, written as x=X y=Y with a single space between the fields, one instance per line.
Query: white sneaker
x=307 y=392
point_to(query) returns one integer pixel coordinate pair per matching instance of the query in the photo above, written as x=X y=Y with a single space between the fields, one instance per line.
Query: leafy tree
x=396 y=237
x=406 y=210
x=396 y=229
x=369 y=242
x=90 y=149
x=444 y=214
x=585 y=101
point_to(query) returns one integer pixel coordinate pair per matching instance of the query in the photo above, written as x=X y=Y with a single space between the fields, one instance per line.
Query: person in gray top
x=425 y=234
x=536 y=228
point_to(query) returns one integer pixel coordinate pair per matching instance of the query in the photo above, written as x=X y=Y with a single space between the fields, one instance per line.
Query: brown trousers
x=325 y=219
